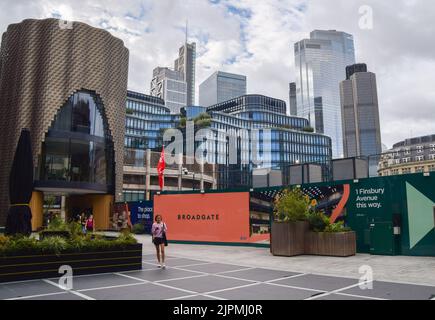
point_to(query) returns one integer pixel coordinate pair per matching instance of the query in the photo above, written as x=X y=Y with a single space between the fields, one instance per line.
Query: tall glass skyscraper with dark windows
x=220 y=87
x=360 y=112
x=320 y=67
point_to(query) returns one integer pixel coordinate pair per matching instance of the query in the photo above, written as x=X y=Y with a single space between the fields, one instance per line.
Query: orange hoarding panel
x=214 y=217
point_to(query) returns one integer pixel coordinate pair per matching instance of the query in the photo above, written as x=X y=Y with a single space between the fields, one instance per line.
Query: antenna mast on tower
x=187 y=29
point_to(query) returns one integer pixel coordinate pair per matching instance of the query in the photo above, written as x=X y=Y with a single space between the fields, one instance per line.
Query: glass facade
x=192 y=112
x=146 y=119
x=78 y=147
x=290 y=143
x=321 y=63
x=221 y=87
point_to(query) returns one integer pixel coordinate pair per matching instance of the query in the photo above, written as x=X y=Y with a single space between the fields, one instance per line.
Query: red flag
x=161 y=167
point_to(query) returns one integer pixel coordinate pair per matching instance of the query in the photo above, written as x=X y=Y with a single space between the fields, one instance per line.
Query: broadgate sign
x=220 y=217
x=198 y=217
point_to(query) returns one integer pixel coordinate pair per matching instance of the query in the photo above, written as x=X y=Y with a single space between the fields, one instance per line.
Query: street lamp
x=186 y=172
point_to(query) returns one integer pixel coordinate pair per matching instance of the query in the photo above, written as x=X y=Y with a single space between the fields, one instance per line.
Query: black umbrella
x=19 y=219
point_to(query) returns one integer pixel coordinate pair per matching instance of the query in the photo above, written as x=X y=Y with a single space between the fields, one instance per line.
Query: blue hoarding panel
x=142 y=212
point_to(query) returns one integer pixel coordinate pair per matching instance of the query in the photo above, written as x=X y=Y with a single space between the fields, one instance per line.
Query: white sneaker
x=159 y=266
x=163 y=266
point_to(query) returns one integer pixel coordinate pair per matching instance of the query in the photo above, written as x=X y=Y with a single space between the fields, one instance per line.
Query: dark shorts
x=158 y=241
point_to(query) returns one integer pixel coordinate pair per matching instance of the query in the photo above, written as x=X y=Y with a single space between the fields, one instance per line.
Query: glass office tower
x=320 y=67
x=186 y=65
x=360 y=112
x=220 y=87
x=291 y=143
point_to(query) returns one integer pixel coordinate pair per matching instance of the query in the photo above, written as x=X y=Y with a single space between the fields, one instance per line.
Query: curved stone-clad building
x=67 y=83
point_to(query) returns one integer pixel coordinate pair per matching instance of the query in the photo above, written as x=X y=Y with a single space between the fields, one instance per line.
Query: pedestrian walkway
x=419 y=270
x=194 y=279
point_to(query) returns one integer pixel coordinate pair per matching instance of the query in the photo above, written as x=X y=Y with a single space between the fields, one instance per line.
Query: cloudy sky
x=255 y=38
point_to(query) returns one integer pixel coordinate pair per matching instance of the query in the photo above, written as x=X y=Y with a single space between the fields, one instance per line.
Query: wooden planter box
x=38 y=266
x=288 y=238
x=330 y=244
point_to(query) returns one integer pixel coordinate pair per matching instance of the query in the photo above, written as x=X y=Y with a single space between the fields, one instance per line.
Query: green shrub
x=75 y=228
x=308 y=129
x=57 y=224
x=138 y=228
x=21 y=244
x=292 y=205
x=318 y=221
x=337 y=227
x=126 y=238
x=55 y=245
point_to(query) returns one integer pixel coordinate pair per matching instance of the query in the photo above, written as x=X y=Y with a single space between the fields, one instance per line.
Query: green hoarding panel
x=420 y=215
x=381 y=238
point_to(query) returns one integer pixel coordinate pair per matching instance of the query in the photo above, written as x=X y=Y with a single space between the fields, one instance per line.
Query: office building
x=293 y=99
x=414 y=155
x=170 y=86
x=291 y=143
x=220 y=87
x=360 y=114
x=186 y=65
x=357 y=67
x=147 y=118
x=72 y=89
x=321 y=63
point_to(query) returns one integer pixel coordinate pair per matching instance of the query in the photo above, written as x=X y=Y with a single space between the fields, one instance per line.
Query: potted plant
x=299 y=229
x=291 y=209
x=57 y=228
x=25 y=258
x=329 y=239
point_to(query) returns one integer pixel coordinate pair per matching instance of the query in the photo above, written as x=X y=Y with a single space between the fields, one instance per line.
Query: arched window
x=78 y=147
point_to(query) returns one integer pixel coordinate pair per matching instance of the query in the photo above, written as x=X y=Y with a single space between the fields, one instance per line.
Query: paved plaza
x=187 y=278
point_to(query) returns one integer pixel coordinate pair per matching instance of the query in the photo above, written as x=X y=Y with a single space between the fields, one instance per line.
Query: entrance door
x=381 y=238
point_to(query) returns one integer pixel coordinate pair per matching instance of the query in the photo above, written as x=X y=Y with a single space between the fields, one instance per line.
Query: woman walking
x=158 y=232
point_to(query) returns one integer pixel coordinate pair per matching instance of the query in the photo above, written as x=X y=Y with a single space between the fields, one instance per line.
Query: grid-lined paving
x=189 y=279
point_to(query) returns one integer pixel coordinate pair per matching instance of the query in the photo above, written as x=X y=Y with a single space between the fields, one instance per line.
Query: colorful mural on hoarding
x=126 y=214
x=390 y=215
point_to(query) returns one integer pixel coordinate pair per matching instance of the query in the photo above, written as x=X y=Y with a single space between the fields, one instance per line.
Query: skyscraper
x=360 y=113
x=220 y=87
x=320 y=64
x=170 y=86
x=292 y=99
x=186 y=65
